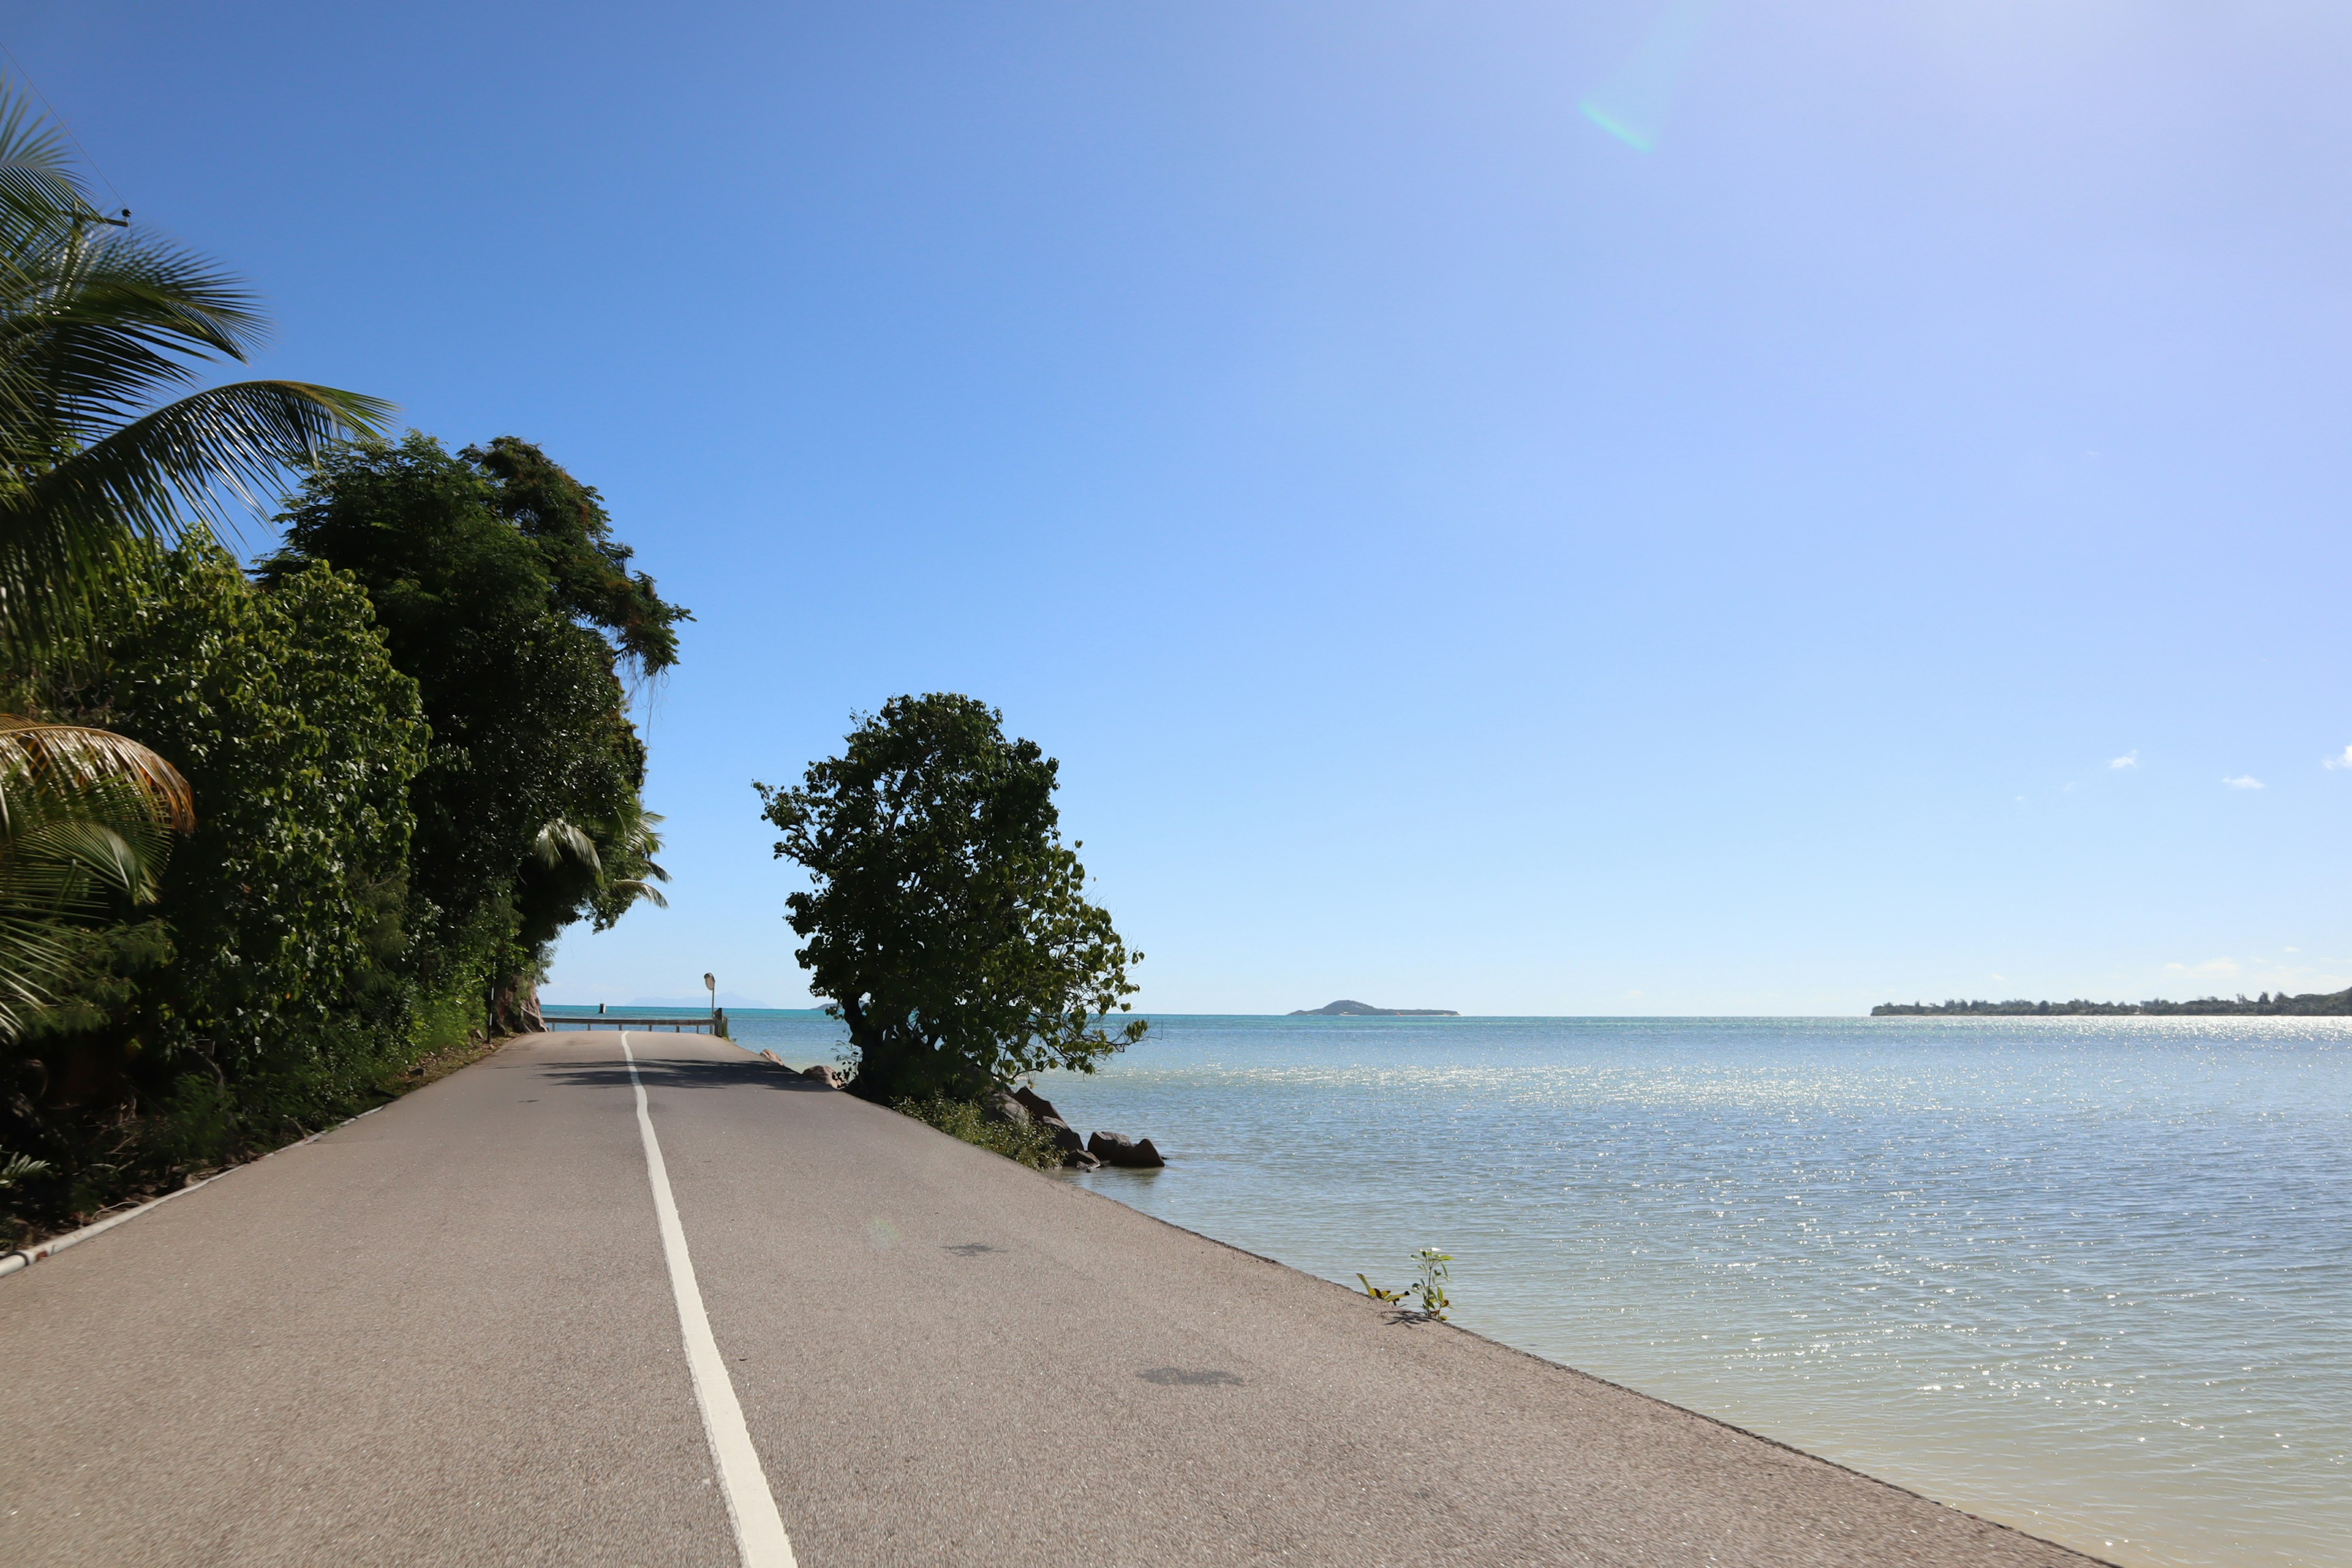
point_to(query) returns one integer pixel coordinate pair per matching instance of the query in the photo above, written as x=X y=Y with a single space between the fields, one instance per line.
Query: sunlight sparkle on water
x=2087 y=1277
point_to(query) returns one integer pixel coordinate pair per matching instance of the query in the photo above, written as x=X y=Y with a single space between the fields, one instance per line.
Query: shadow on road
x=683 y=1073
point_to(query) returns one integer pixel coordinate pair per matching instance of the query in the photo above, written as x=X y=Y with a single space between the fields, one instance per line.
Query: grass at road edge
x=1029 y=1145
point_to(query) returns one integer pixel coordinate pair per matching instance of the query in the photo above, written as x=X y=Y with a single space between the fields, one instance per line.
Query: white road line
x=750 y=1506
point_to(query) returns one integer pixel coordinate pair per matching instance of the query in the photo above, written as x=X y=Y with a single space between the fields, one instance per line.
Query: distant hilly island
x=2311 y=1005
x=1366 y=1010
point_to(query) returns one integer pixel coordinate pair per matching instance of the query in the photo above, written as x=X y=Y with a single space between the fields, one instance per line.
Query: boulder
x=1079 y=1159
x=1065 y=1137
x=1007 y=1108
x=823 y=1075
x=1119 y=1149
x=1039 y=1106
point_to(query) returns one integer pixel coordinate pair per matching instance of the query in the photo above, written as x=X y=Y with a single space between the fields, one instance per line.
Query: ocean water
x=2090 y=1277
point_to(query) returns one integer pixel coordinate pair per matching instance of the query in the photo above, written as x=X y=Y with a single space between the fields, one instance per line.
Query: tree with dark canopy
x=500 y=589
x=947 y=920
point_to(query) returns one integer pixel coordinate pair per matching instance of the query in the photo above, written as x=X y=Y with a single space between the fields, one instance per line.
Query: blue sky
x=1837 y=552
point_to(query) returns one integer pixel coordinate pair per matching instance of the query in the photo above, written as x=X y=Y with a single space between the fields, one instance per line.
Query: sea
x=2088 y=1276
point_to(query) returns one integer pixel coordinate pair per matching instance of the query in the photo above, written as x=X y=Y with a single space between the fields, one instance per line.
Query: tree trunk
x=514 y=1007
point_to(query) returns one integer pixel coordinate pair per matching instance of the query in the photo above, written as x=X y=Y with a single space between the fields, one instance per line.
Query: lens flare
x=1632 y=105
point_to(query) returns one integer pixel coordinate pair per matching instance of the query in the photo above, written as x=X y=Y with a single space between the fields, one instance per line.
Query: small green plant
x=200 y=1126
x=21 y=1168
x=1432 y=1286
x=1030 y=1144
x=1427 y=1295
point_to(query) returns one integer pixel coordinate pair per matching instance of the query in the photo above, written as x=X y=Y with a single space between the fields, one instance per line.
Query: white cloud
x=2343 y=762
x=2244 y=781
x=2131 y=760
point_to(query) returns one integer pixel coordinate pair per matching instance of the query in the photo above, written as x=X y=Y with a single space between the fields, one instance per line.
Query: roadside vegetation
x=946 y=923
x=969 y=1119
x=275 y=843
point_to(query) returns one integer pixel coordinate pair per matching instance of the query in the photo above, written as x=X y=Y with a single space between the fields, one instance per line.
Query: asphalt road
x=446 y=1333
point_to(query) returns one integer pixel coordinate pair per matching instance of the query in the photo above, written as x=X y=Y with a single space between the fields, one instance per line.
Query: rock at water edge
x=1039 y=1106
x=1119 y=1149
x=1065 y=1137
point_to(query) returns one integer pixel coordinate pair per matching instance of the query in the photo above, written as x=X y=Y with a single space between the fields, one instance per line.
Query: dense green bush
x=264 y=991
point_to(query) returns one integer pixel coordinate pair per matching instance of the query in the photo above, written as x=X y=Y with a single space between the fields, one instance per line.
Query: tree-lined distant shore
x=2314 y=1004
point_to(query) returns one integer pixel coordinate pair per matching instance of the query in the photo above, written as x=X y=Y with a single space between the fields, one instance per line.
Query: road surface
x=449 y=1333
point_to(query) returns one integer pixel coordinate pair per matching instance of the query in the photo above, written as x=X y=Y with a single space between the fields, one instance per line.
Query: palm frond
x=61 y=530
x=560 y=841
x=237 y=438
x=83 y=813
x=53 y=772
x=97 y=323
x=63 y=857
x=36 y=177
x=35 y=958
x=634 y=888
x=93 y=327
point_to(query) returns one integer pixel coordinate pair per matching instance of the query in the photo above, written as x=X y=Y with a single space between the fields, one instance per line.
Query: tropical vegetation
x=945 y=922
x=1024 y=1142
x=271 y=842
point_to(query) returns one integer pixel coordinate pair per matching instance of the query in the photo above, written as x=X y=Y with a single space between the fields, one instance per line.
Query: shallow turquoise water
x=2090 y=1277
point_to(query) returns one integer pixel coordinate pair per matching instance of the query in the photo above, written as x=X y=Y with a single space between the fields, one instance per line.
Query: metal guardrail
x=565 y=1022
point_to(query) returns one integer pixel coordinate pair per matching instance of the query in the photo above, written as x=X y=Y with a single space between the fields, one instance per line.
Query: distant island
x=2314 y=1004
x=1365 y=1010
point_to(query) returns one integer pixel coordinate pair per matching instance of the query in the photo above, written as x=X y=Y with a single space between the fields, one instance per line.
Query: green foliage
x=1431 y=1286
x=1427 y=1295
x=271 y=967
x=17 y=1169
x=1029 y=1144
x=301 y=740
x=97 y=320
x=500 y=588
x=947 y=920
x=588 y=567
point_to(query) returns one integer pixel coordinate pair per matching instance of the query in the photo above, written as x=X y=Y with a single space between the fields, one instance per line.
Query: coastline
x=1854 y=1235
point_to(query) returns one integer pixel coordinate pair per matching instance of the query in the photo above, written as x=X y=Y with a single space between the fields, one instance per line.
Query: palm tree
x=97 y=322
x=565 y=874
